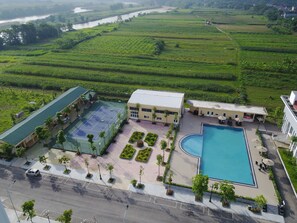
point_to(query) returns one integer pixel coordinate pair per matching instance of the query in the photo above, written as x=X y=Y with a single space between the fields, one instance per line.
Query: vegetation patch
x=136 y=136
x=144 y=155
x=290 y=164
x=128 y=152
x=151 y=139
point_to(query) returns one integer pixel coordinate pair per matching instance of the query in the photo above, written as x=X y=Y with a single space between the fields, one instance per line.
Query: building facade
x=156 y=106
x=227 y=110
x=289 y=126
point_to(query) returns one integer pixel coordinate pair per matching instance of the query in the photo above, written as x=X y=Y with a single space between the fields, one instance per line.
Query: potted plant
x=134 y=182
x=169 y=191
x=227 y=193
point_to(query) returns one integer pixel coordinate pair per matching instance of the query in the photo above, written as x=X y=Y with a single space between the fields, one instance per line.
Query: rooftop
x=157 y=98
x=23 y=129
x=229 y=107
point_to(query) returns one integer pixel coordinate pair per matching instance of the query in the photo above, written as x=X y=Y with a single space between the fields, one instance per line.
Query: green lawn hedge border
x=128 y=152
x=151 y=139
x=144 y=155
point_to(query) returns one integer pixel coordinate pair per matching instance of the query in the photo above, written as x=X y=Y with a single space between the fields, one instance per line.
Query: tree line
x=27 y=34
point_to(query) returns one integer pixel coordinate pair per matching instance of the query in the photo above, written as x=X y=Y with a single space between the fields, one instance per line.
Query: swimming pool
x=223 y=153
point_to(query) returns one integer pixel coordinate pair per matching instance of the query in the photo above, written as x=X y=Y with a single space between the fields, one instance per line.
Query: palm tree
x=64 y=160
x=163 y=147
x=141 y=169
x=166 y=114
x=110 y=168
x=159 y=162
x=43 y=160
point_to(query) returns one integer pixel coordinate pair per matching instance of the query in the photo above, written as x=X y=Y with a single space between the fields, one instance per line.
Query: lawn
x=291 y=165
x=15 y=100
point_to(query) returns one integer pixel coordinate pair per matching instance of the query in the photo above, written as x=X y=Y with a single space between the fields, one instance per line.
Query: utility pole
x=8 y=192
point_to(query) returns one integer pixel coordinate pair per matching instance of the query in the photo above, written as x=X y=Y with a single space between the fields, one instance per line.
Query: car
x=33 y=172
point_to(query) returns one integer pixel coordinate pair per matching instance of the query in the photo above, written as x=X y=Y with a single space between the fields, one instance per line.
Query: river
x=24 y=19
x=114 y=19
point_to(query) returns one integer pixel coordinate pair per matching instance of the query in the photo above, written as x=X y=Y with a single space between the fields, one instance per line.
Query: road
x=102 y=204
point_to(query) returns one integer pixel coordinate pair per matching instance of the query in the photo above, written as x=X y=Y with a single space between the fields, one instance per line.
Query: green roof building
x=23 y=131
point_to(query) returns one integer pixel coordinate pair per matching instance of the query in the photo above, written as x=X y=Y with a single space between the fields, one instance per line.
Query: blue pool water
x=223 y=153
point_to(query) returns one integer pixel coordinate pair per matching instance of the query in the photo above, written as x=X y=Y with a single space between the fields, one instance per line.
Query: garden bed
x=136 y=136
x=128 y=152
x=144 y=155
x=151 y=139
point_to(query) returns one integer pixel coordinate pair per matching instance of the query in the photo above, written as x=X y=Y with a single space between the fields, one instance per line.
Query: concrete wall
x=160 y=117
x=289 y=128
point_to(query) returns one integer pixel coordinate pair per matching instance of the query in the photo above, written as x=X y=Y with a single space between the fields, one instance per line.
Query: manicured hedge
x=144 y=155
x=128 y=152
x=136 y=136
x=151 y=139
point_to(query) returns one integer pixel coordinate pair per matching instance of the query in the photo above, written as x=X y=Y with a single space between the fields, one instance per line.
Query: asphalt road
x=95 y=203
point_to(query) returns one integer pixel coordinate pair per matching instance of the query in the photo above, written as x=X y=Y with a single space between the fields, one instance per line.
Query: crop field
x=15 y=100
x=174 y=51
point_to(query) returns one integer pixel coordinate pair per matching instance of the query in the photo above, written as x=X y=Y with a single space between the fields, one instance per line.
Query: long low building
x=156 y=106
x=215 y=109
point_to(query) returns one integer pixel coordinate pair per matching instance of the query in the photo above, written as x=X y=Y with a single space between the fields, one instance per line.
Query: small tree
x=91 y=141
x=48 y=122
x=28 y=209
x=260 y=201
x=169 y=190
x=141 y=172
x=20 y=152
x=166 y=114
x=61 y=138
x=200 y=185
x=163 y=147
x=43 y=160
x=102 y=136
x=87 y=165
x=227 y=193
x=65 y=217
x=110 y=168
x=64 y=160
x=159 y=162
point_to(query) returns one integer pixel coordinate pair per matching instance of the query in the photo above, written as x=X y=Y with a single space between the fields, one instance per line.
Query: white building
x=156 y=106
x=289 y=126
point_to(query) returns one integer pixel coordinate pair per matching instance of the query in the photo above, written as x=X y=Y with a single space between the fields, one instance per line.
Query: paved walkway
x=283 y=182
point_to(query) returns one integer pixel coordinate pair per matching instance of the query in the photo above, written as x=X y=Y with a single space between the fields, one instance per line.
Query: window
x=211 y=113
x=236 y=116
x=146 y=116
x=158 y=118
x=146 y=110
x=175 y=121
x=224 y=114
x=134 y=114
x=133 y=108
x=207 y=112
x=159 y=111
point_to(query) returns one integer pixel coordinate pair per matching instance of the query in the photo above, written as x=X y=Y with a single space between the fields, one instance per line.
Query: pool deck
x=185 y=166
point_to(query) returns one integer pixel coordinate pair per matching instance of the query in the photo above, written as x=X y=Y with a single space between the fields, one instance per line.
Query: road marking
x=165 y=202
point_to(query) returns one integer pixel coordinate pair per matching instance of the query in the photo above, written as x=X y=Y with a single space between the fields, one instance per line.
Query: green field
x=236 y=55
x=15 y=100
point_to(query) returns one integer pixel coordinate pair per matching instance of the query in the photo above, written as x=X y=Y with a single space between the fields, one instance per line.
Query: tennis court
x=101 y=116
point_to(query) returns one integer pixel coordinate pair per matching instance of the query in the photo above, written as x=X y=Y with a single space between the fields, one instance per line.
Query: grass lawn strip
x=144 y=155
x=151 y=139
x=128 y=152
x=290 y=164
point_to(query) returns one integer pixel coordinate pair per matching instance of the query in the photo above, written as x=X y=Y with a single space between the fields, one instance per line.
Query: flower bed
x=151 y=139
x=128 y=152
x=144 y=155
x=136 y=136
